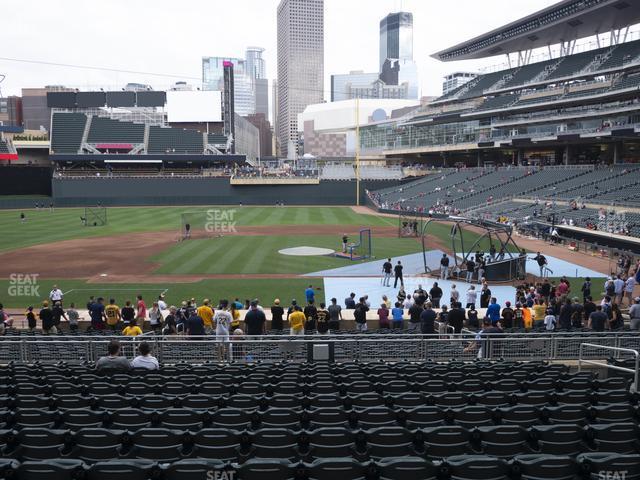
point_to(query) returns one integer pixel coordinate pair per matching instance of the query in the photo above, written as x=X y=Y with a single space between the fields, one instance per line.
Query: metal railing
x=635 y=371
x=346 y=347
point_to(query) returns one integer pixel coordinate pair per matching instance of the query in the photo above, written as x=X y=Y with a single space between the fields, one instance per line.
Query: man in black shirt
x=397 y=270
x=414 y=316
x=360 y=315
x=194 y=325
x=444 y=266
x=507 y=315
x=456 y=317
x=335 y=315
x=46 y=315
x=387 y=267
x=427 y=320
x=541 y=261
x=598 y=319
x=471 y=266
x=311 y=314
x=588 y=308
x=436 y=294
x=485 y=296
x=322 y=323
x=545 y=289
x=350 y=302
x=255 y=320
x=277 y=312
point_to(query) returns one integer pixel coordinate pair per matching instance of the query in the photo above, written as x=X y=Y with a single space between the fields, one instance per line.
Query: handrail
x=635 y=371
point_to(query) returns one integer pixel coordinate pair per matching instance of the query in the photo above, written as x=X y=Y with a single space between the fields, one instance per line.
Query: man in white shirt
x=56 y=295
x=619 y=285
x=550 y=320
x=145 y=359
x=222 y=320
x=162 y=305
x=629 y=285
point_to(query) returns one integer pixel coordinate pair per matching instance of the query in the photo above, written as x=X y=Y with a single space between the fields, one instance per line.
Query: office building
x=213 y=79
x=396 y=37
x=342 y=84
x=300 y=66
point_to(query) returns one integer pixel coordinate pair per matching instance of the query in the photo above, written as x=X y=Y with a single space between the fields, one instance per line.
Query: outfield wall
x=25 y=180
x=68 y=192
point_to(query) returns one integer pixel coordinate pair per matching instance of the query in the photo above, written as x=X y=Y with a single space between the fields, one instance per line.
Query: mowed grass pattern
x=44 y=226
x=237 y=254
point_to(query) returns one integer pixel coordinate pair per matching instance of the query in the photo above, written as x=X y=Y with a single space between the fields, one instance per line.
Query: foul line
x=116 y=290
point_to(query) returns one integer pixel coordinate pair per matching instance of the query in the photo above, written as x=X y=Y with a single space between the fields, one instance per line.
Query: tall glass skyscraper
x=396 y=37
x=213 y=79
x=257 y=71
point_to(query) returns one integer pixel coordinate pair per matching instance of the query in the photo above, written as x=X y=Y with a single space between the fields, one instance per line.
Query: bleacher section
x=216 y=139
x=67 y=130
x=348 y=421
x=174 y=141
x=105 y=130
x=3 y=147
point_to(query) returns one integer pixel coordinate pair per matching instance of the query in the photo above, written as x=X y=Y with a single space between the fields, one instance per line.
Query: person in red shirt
x=141 y=314
x=562 y=289
x=383 y=316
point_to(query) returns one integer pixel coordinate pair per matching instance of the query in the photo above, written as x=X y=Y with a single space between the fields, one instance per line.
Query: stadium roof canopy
x=562 y=22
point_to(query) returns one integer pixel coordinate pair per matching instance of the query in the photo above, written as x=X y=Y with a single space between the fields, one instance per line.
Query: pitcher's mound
x=306 y=251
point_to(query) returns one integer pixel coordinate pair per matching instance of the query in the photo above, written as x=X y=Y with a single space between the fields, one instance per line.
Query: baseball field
x=233 y=251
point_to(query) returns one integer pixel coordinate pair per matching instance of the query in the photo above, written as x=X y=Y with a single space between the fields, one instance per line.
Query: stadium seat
x=123 y=470
x=545 y=467
x=573 y=414
x=503 y=441
x=615 y=413
x=159 y=444
x=262 y=469
x=392 y=442
x=375 y=417
x=192 y=469
x=330 y=417
x=281 y=417
x=219 y=443
x=329 y=442
x=614 y=437
x=129 y=419
x=41 y=444
x=338 y=468
x=407 y=468
x=558 y=439
x=99 y=444
x=424 y=417
x=472 y=416
x=232 y=418
x=274 y=443
x=54 y=469
x=596 y=465
x=445 y=441
x=475 y=467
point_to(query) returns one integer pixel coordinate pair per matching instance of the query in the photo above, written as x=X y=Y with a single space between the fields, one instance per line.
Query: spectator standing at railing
x=397 y=314
x=454 y=296
x=296 y=321
x=414 y=316
x=277 y=314
x=634 y=315
x=598 y=320
x=456 y=317
x=485 y=296
x=586 y=289
x=255 y=320
x=618 y=285
x=507 y=315
x=360 y=315
x=427 y=320
x=435 y=294
x=629 y=286
x=471 y=297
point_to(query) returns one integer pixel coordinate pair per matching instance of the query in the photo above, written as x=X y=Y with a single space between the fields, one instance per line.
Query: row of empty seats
x=594 y=466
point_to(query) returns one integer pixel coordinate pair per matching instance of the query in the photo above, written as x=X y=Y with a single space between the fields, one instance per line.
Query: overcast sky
x=169 y=37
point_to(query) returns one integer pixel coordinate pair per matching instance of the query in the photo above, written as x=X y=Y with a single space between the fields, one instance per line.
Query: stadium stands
x=67 y=130
x=105 y=130
x=385 y=421
x=175 y=141
x=3 y=147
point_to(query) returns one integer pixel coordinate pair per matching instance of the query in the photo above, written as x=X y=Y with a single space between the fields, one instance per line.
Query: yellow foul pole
x=358 y=151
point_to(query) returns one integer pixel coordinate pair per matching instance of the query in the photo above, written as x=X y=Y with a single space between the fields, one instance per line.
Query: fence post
x=23 y=351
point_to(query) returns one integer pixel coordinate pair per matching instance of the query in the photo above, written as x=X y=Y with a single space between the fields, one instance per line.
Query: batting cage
x=361 y=249
x=94 y=216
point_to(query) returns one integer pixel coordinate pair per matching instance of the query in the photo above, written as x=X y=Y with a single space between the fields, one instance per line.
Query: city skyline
x=351 y=39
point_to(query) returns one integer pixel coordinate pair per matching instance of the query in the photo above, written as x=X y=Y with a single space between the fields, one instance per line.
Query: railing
x=635 y=371
x=347 y=347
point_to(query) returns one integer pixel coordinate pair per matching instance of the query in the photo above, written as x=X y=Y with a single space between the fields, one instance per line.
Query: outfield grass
x=259 y=254
x=44 y=226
